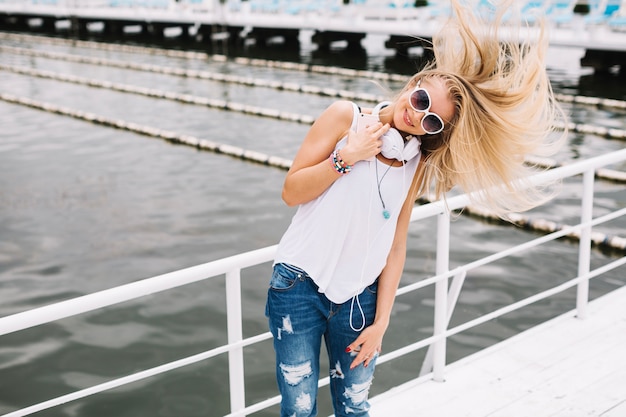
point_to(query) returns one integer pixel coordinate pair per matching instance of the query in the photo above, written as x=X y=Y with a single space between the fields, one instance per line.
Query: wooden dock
x=566 y=367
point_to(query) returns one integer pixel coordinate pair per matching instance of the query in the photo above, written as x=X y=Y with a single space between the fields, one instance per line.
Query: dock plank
x=566 y=367
x=618 y=411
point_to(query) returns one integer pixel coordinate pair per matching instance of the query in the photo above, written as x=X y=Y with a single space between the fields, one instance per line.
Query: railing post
x=441 y=295
x=584 y=250
x=235 y=334
x=453 y=296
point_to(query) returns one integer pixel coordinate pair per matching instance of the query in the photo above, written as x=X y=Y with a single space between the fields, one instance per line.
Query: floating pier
x=232 y=24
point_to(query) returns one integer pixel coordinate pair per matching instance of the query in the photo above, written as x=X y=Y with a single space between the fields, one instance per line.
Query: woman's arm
x=311 y=173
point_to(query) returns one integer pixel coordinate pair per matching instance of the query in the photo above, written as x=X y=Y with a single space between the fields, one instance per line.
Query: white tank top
x=341 y=238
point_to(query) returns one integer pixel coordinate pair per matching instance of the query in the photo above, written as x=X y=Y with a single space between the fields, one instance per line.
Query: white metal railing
x=444 y=299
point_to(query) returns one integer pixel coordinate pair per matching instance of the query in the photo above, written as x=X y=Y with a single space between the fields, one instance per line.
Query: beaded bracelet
x=339 y=164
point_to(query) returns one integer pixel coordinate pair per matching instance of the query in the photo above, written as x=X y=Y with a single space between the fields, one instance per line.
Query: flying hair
x=494 y=68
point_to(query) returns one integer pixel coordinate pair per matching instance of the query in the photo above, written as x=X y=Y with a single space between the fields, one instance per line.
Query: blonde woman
x=467 y=120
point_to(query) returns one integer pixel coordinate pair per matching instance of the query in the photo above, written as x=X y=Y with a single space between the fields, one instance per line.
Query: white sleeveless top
x=341 y=239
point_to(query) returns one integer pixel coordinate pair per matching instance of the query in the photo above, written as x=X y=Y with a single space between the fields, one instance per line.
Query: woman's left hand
x=367 y=345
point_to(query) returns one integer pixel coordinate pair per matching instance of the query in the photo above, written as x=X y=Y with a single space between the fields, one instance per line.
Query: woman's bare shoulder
x=339 y=110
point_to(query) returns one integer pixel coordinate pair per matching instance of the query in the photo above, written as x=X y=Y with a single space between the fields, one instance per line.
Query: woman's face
x=409 y=120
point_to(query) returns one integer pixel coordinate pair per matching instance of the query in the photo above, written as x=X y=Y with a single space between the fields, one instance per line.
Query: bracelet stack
x=339 y=164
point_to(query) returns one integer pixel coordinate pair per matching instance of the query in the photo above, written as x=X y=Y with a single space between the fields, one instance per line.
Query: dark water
x=85 y=208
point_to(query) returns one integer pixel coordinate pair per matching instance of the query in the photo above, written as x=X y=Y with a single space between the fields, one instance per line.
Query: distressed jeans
x=299 y=316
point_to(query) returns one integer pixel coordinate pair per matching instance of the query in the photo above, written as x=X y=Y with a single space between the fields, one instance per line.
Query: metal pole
x=441 y=295
x=453 y=296
x=584 y=250
x=235 y=334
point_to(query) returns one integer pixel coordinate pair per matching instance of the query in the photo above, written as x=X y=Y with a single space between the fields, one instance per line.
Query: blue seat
x=265 y=6
x=603 y=12
x=403 y=5
x=561 y=11
x=618 y=20
x=294 y=7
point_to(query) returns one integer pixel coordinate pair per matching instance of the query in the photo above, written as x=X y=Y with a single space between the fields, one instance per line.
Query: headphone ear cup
x=411 y=148
x=393 y=144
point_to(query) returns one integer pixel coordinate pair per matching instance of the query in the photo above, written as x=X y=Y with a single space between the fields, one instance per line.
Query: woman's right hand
x=365 y=143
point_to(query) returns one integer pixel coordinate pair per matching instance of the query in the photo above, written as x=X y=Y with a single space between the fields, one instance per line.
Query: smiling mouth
x=407 y=120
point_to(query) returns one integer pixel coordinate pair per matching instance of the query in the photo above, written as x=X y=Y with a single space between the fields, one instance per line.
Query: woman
x=466 y=120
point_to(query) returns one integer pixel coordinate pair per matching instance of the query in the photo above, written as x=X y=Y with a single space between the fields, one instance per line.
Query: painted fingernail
x=348 y=350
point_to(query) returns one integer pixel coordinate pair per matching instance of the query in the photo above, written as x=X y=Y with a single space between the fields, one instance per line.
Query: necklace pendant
x=386 y=214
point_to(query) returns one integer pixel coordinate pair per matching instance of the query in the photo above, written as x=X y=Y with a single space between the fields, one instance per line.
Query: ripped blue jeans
x=299 y=315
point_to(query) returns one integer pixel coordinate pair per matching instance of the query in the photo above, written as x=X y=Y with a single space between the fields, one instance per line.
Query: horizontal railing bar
x=78 y=305
x=385 y=358
x=174 y=279
x=256 y=407
x=539 y=241
x=500 y=312
x=163 y=282
x=407 y=349
x=537 y=297
x=569 y=170
x=428 y=341
x=608 y=217
x=269 y=402
x=488 y=259
x=137 y=376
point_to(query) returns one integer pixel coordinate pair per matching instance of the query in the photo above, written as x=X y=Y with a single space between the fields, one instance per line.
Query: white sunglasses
x=420 y=101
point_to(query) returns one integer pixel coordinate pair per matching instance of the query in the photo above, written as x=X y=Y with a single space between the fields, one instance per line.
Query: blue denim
x=299 y=315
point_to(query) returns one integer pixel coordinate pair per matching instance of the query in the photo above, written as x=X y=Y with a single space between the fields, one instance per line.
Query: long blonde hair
x=504 y=109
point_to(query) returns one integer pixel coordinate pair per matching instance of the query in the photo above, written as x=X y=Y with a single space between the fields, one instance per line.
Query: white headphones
x=394 y=145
